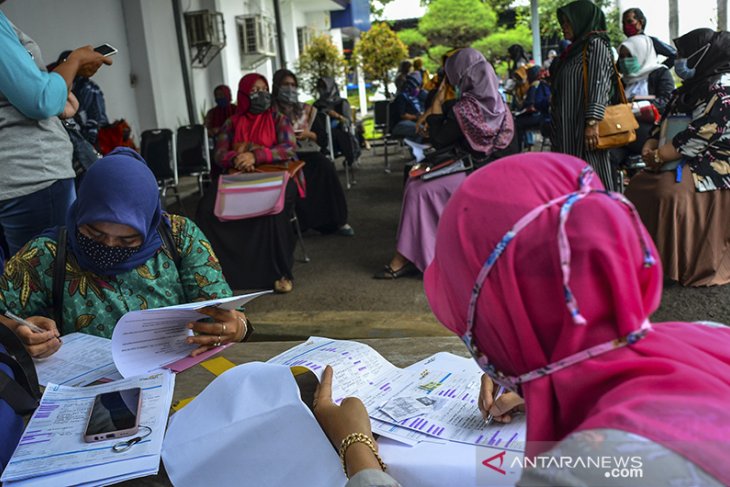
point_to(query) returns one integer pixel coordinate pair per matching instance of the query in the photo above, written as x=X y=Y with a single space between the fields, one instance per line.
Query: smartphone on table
x=106 y=50
x=114 y=415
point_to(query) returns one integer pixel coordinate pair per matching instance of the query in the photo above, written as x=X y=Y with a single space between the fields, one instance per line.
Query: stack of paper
x=143 y=341
x=432 y=400
x=148 y=339
x=52 y=451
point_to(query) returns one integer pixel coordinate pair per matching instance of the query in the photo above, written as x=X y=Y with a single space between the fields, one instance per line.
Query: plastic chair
x=193 y=153
x=158 y=149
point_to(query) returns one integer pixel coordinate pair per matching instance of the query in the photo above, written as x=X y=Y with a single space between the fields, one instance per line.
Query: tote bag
x=248 y=195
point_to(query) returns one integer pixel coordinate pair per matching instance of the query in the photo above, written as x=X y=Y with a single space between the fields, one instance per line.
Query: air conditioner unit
x=256 y=39
x=206 y=36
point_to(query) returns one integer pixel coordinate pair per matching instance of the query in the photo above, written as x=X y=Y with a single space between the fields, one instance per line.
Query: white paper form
x=436 y=465
x=451 y=385
x=250 y=427
x=81 y=360
x=146 y=340
x=358 y=370
x=52 y=448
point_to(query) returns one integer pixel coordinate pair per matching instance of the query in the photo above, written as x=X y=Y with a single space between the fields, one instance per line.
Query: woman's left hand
x=591 y=137
x=229 y=326
x=339 y=421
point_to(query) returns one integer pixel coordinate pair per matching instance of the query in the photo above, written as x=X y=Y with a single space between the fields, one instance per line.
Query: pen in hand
x=490 y=416
x=18 y=319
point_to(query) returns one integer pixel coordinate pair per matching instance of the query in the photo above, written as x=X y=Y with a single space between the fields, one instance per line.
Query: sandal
x=390 y=273
x=283 y=286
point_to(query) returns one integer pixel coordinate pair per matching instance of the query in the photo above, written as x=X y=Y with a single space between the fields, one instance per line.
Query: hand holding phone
x=106 y=50
x=114 y=415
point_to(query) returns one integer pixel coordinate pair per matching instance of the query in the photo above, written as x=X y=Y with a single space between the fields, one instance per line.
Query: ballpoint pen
x=33 y=328
x=490 y=416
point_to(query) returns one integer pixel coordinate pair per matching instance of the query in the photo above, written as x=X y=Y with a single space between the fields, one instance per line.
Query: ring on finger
x=223 y=331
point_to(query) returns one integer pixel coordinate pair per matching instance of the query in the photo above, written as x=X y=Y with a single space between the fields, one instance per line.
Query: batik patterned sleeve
x=224 y=154
x=709 y=125
x=25 y=286
x=285 y=149
x=600 y=78
x=200 y=272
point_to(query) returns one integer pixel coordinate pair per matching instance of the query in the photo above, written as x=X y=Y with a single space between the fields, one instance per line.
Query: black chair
x=158 y=149
x=193 y=153
x=349 y=181
x=382 y=123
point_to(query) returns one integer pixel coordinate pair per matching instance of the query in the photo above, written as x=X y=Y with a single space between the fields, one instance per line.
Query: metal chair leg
x=347 y=175
x=387 y=161
x=179 y=201
x=295 y=220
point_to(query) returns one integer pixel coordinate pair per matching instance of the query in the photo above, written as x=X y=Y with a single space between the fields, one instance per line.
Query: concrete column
x=536 y=44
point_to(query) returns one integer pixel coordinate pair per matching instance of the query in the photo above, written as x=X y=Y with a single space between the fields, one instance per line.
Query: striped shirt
x=570 y=111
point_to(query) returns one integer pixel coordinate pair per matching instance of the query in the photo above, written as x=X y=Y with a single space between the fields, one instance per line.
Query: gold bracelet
x=353 y=438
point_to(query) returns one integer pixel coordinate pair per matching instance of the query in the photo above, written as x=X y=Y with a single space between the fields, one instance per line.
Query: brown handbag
x=618 y=127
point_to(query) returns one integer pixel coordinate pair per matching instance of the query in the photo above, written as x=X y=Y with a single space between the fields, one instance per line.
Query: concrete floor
x=335 y=295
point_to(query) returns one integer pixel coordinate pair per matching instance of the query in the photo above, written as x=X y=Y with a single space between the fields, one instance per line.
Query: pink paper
x=187 y=362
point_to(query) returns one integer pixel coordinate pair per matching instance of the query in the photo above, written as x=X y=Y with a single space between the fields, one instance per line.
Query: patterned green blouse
x=93 y=304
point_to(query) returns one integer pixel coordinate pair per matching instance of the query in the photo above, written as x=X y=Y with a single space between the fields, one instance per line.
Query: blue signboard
x=356 y=14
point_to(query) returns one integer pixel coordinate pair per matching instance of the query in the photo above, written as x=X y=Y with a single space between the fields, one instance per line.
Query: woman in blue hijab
x=115 y=262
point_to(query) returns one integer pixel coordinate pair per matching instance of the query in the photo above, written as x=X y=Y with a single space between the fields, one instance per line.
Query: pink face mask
x=567 y=202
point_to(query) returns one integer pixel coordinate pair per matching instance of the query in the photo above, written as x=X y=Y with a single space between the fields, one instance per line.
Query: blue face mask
x=680 y=67
x=680 y=64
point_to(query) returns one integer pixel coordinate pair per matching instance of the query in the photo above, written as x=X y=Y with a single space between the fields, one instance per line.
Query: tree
x=321 y=58
x=457 y=23
x=497 y=5
x=550 y=27
x=494 y=46
x=673 y=19
x=378 y=52
x=415 y=41
x=721 y=14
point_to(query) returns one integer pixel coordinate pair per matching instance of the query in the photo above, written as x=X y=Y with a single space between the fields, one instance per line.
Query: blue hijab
x=119 y=188
x=410 y=92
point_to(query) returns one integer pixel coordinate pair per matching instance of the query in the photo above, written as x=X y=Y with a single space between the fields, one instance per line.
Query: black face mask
x=103 y=256
x=288 y=94
x=260 y=102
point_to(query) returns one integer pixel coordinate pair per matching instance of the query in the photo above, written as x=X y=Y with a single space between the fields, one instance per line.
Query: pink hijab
x=673 y=386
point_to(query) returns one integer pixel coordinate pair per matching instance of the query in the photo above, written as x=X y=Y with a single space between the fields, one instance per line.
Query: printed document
x=81 y=360
x=52 y=450
x=147 y=340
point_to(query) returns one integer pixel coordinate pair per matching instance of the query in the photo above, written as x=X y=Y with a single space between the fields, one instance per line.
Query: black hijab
x=329 y=98
x=709 y=68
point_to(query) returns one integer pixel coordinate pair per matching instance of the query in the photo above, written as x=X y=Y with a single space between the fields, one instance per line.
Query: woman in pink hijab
x=551 y=287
